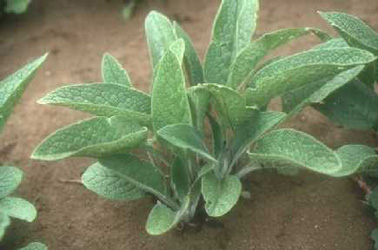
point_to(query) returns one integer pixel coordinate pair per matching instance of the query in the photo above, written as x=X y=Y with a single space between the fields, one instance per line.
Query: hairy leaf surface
x=35 y=246
x=10 y=179
x=113 y=72
x=18 y=208
x=92 y=138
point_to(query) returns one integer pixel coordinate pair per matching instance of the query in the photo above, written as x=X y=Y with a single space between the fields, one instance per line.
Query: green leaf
x=357 y=158
x=192 y=63
x=290 y=148
x=199 y=100
x=113 y=72
x=4 y=223
x=160 y=35
x=180 y=179
x=92 y=138
x=295 y=71
x=355 y=106
x=162 y=219
x=334 y=43
x=220 y=195
x=142 y=175
x=178 y=48
x=374 y=237
x=12 y=87
x=353 y=30
x=103 y=100
x=185 y=137
x=18 y=208
x=170 y=104
x=255 y=126
x=228 y=102
x=10 y=179
x=110 y=184
x=295 y=101
x=250 y=56
x=232 y=31
x=35 y=246
x=17 y=6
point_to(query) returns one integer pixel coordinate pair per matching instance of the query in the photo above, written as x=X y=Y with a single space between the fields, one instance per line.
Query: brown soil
x=306 y=212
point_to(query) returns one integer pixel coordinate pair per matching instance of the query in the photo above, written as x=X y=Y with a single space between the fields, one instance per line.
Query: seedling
x=203 y=127
x=11 y=90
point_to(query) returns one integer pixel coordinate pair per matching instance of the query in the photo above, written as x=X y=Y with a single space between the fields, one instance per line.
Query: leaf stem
x=248 y=169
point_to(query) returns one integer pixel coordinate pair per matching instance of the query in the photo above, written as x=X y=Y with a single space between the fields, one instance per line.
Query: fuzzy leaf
x=295 y=71
x=353 y=30
x=357 y=158
x=290 y=148
x=228 y=102
x=92 y=138
x=180 y=179
x=12 y=87
x=192 y=63
x=10 y=179
x=110 y=184
x=103 y=100
x=18 y=208
x=232 y=31
x=199 y=100
x=220 y=195
x=185 y=137
x=162 y=219
x=170 y=104
x=4 y=223
x=35 y=246
x=295 y=101
x=160 y=35
x=250 y=56
x=334 y=43
x=113 y=72
x=355 y=106
x=142 y=175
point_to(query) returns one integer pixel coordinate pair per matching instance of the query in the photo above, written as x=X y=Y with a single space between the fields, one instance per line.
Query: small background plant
x=11 y=90
x=203 y=127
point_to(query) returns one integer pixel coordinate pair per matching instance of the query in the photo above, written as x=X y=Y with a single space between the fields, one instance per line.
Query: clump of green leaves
x=203 y=127
x=11 y=90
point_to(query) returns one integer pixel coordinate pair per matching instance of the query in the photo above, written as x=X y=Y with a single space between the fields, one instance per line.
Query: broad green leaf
x=357 y=158
x=295 y=71
x=199 y=100
x=160 y=35
x=220 y=195
x=180 y=179
x=141 y=174
x=332 y=44
x=178 y=48
x=103 y=100
x=18 y=208
x=110 y=184
x=10 y=179
x=12 y=87
x=250 y=56
x=192 y=62
x=290 y=148
x=295 y=101
x=162 y=219
x=255 y=126
x=233 y=28
x=17 y=6
x=170 y=104
x=228 y=102
x=355 y=106
x=353 y=30
x=217 y=135
x=113 y=72
x=35 y=246
x=4 y=223
x=185 y=137
x=374 y=237
x=92 y=138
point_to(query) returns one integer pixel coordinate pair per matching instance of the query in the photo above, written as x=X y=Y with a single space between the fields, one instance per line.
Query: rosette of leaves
x=11 y=90
x=203 y=126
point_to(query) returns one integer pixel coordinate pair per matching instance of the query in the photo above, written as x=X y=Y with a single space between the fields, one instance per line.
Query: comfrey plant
x=355 y=105
x=11 y=89
x=202 y=128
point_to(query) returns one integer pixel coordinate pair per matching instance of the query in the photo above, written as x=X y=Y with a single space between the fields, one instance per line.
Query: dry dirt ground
x=306 y=212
